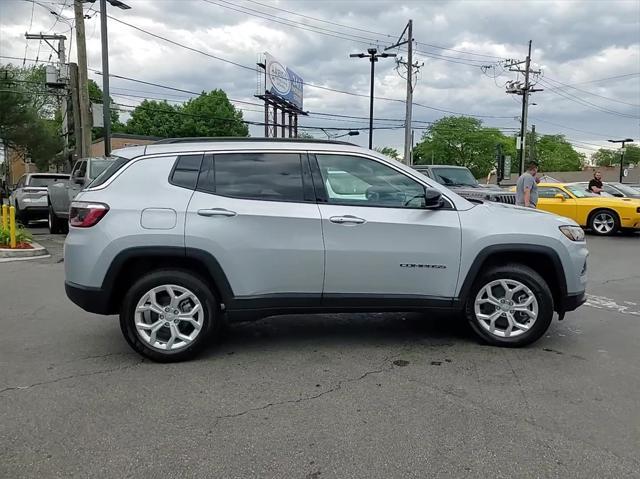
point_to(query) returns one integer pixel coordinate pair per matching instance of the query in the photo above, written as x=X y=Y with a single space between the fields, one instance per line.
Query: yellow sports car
x=603 y=214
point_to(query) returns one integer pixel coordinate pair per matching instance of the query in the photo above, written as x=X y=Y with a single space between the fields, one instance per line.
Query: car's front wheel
x=510 y=306
x=169 y=315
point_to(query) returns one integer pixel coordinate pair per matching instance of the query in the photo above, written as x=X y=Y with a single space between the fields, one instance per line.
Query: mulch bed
x=18 y=246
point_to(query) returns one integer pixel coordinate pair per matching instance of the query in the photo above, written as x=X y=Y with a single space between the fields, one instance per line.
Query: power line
x=589 y=93
x=312 y=85
x=294 y=24
x=392 y=37
x=587 y=103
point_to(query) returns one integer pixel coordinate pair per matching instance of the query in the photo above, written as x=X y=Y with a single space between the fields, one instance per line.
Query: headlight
x=574 y=233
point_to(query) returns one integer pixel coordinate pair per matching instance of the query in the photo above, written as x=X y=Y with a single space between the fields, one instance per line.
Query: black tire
x=536 y=284
x=21 y=216
x=56 y=225
x=211 y=314
x=604 y=213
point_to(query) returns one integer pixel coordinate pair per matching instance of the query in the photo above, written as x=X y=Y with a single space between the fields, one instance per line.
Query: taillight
x=86 y=214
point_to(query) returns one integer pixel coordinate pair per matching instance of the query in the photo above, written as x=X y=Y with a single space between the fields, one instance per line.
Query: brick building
x=121 y=140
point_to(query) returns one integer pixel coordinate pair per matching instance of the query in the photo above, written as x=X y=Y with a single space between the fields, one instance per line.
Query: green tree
x=95 y=96
x=212 y=114
x=555 y=153
x=28 y=124
x=462 y=141
x=388 y=151
x=155 y=118
x=604 y=157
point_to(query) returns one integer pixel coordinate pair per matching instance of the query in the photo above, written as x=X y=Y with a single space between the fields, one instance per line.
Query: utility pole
x=83 y=81
x=410 y=66
x=532 y=145
x=60 y=80
x=525 y=90
x=627 y=140
x=373 y=55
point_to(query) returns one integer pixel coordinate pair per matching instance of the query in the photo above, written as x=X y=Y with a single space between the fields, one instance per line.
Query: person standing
x=595 y=185
x=527 y=187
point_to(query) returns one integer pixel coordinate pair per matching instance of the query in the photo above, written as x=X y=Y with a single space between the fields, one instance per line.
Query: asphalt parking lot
x=331 y=396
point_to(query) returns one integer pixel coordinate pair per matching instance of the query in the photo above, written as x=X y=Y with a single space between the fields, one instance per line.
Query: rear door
x=255 y=212
x=380 y=243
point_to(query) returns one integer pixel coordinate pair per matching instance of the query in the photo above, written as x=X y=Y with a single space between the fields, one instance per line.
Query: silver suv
x=30 y=195
x=180 y=236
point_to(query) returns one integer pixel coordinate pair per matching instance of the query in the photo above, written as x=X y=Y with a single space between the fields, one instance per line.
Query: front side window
x=352 y=180
x=549 y=192
x=262 y=176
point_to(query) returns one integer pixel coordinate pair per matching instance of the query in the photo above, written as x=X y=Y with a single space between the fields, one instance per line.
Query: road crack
x=312 y=397
x=73 y=376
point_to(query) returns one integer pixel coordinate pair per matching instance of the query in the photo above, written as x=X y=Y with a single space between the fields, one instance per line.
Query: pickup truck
x=461 y=180
x=61 y=194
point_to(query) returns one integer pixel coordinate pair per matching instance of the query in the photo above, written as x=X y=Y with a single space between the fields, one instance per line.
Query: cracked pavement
x=330 y=396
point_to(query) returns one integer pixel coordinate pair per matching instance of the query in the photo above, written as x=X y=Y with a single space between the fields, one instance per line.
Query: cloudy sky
x=588 y=52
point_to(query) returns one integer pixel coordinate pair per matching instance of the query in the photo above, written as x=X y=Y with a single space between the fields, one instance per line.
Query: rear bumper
x=93 y=300
x=572 y=302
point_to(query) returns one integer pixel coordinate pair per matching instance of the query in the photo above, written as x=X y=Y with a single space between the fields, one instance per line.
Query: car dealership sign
x=283 y=82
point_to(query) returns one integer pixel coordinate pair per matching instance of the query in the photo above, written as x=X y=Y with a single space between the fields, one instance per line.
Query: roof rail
x=247 y=139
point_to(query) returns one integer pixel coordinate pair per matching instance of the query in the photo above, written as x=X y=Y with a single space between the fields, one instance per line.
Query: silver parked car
x=180 y=236
x=29 y=196
x=619 y=190
x=61 y=193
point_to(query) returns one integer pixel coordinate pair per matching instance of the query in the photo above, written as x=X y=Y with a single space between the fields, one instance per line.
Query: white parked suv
x=181 y=235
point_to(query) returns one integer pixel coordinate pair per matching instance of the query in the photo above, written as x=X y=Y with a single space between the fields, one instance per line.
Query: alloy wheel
x=506 y=308
x=604 y=223
x=169 y=317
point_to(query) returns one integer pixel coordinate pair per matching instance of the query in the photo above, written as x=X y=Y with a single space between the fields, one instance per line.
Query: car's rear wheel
x=56 y=225
x=510 y=306
x=21 y=216
x=169 y=315
x=604 y=222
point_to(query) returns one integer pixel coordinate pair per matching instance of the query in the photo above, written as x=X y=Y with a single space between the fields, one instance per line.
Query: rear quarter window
x=116 y=165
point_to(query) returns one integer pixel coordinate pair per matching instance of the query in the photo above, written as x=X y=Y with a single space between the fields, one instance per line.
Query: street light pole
x=626 y=140
x=373 y=55
x=106 y=99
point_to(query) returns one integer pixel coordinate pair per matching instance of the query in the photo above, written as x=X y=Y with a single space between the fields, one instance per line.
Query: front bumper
x=92 y=300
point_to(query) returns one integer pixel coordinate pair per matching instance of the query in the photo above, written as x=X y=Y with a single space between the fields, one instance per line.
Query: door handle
x=216 y=212
x=347 y=220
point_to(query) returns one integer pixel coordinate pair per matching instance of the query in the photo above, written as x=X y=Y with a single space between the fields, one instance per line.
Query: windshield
x=579 y=191
x=454 y=177
x=98 y=166
x=44 y=181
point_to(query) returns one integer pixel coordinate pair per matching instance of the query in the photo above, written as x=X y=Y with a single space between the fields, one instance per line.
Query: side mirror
x=78 y=180
x=559 y=196
x=432 y=199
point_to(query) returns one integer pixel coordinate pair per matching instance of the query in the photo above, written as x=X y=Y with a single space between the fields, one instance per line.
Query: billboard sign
x=283 y=82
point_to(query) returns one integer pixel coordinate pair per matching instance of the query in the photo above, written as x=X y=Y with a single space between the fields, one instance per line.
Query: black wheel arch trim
x=209 y=261
x=481 y=257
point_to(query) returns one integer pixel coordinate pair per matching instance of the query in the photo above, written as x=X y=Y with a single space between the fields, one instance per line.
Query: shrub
x=22 y=236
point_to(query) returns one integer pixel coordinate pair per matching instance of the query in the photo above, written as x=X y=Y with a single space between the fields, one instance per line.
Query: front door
x=257 y=215
x=379 y=240
x=549 y=200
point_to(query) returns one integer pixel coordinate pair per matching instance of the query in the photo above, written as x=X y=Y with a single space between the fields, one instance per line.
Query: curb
x=37 y=251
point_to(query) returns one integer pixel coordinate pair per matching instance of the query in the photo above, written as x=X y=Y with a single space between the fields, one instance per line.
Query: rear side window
x=266 y=176
x=186 y=170
x=114 y=166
